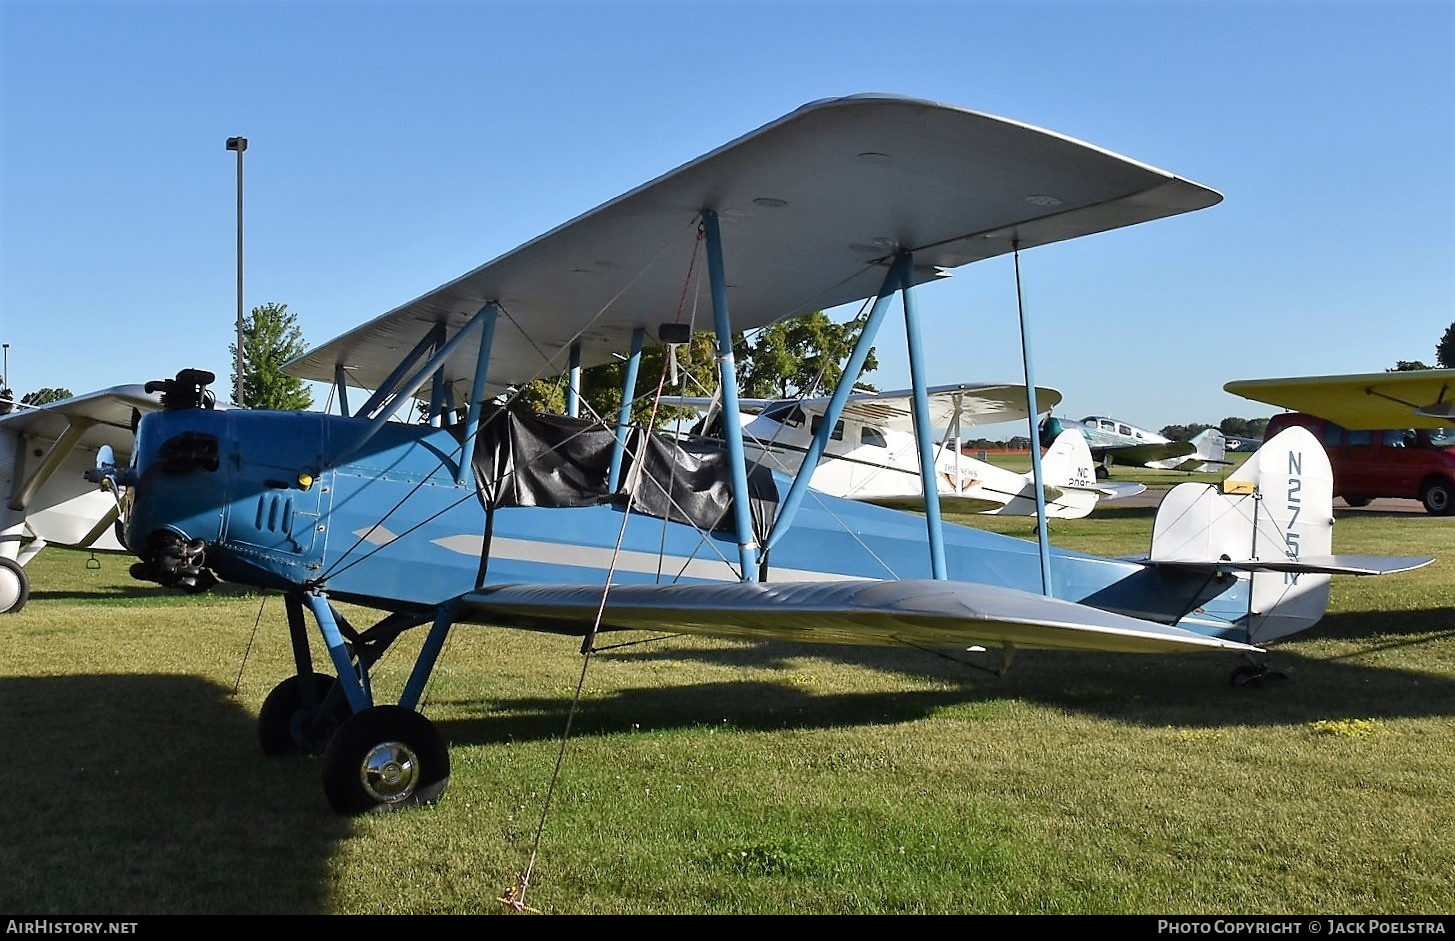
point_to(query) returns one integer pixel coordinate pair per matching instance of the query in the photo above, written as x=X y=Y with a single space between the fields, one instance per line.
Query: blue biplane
x=485 y=513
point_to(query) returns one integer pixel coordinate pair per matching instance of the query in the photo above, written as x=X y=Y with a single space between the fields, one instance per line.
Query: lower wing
x=885 y=613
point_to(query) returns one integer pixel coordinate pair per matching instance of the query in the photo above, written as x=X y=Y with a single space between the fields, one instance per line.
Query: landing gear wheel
x=1358 y=501
x=383 y=759
x=1101 y=472
x=1438 y=496
x=14 y=586
x=287 y=727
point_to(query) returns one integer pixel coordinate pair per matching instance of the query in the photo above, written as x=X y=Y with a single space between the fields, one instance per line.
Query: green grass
x=717 y=777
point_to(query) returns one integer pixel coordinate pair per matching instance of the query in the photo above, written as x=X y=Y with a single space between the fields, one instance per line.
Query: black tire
x=287 y=727
x=1438 y=496
x=1102 y=473
x=1358 y=501
x=385 y=759
x=14 y=586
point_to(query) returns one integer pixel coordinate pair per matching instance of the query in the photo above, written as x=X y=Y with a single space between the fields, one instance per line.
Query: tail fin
x=1068 y=462
x=1272 y=520
x=1069 y=474
x=1212 y=450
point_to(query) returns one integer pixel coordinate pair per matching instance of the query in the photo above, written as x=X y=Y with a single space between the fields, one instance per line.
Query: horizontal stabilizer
x=922 y=613
x=1111 y=491
x=1314 y=565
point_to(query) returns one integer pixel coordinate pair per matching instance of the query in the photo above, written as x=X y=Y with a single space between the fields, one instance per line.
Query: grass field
x=716 y=777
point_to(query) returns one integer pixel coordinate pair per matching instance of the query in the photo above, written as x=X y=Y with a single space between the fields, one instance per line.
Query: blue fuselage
x=399 y=525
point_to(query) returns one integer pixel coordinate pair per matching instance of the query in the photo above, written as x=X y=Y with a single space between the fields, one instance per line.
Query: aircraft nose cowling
x=174 y=502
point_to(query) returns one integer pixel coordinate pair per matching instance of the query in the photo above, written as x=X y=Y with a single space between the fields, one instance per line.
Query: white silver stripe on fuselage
x=625 y=560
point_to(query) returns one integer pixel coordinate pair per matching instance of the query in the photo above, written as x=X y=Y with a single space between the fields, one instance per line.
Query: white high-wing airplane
x=872 y=454
x=45 y=452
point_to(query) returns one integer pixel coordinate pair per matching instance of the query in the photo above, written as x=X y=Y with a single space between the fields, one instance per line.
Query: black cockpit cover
x=528 y=459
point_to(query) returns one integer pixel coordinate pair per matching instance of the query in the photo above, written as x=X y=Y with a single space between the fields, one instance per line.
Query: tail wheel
x=14 y=586
x=1438 y=496
x=383 y=759
x=1358 y=501
x=1253 y=675
x=298 y=717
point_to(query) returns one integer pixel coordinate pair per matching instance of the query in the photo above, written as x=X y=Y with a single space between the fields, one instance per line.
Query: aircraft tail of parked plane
x=1070 y=485
x=1272 y=519
x=1209 y=455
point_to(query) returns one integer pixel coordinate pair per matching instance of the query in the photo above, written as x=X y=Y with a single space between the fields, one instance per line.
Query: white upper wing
x=811 y=207
x=976 y=403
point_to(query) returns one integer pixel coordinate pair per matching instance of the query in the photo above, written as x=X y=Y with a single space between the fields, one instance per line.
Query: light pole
x=7 y=403
x=238 y=144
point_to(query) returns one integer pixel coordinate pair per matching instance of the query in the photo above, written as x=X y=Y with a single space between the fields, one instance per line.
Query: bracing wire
x=247 y=651
x=515 y=896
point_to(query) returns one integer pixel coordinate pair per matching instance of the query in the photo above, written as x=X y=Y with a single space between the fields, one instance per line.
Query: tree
x=795 y=357
x=802 y=356
x=1407 y=365
x=1445 y=349
x=1243 y=427
x=271 y=337
x=601 y=385
x=45 y=396
x=1183 y=432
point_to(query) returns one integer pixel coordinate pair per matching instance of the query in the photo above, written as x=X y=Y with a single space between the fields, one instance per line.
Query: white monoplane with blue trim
x=485 y=513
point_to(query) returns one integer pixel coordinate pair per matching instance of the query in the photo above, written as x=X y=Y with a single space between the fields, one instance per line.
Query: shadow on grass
x=147 y=795
x=1147 y=690
x=108 y=594
x=145 y=592
x=1378 y=627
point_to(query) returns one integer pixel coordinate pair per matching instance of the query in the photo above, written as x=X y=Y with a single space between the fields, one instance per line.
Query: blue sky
x=394 y=146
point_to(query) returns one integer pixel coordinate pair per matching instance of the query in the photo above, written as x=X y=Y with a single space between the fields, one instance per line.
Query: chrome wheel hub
x=389 y=772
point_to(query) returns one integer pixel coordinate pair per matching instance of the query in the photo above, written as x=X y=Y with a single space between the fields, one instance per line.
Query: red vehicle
x=1414 y=464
